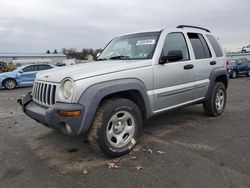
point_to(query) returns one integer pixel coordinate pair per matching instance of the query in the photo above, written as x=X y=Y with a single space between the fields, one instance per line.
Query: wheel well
x=133 y=95
x=223 y=79
x=9 y=79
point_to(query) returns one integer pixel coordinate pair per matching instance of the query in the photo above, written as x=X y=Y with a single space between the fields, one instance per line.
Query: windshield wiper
x=122 y=57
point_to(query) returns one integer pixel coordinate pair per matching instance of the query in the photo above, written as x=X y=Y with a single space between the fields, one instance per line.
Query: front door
x=27 y=75
x=242 y=66
x=173 y=81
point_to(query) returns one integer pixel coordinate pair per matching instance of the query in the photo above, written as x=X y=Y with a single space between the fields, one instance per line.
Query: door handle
x=189 y=66
x=213 y=63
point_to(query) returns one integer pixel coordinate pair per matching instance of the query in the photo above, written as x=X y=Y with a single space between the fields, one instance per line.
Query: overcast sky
x=38 y=25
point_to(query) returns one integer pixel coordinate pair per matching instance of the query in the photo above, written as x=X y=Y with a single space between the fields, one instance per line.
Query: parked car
x=136 y=76
x=246 y=49
x=22 y=76
x=238 y=67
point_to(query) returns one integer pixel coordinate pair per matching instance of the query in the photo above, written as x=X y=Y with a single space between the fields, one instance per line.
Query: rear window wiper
x=122 y=57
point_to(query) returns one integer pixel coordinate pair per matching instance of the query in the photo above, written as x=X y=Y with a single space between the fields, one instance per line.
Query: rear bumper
x=50 y=117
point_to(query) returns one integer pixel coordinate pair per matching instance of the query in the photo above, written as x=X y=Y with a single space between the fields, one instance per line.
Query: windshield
x=136 y=46
x=232 y=62
x=20 y=67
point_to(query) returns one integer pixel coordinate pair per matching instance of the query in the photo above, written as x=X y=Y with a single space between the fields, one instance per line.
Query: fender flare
x=215 y=73
x=93 y=95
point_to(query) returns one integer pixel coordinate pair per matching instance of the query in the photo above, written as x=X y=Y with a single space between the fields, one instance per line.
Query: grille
x=44 y=93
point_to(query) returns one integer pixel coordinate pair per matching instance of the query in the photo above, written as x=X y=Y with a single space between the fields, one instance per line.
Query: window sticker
x=145 y=42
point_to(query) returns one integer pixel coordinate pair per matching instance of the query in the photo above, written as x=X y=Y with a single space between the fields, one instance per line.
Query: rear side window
x=215 y=45
x=43 y=67
x=200 y=47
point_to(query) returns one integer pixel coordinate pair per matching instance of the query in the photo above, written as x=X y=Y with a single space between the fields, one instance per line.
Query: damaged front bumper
x=54 y=116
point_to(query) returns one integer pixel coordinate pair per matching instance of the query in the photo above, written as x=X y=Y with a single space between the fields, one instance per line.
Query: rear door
x=205 y=61
x=43 y=67
x=173 y=81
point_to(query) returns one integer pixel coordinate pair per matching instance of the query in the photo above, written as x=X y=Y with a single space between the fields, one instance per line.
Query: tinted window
x=232 y=61
x=205 y=46
x=29 y=69
x=43 y=67
x=200 y=47
x=176 y=41
x=215 y=45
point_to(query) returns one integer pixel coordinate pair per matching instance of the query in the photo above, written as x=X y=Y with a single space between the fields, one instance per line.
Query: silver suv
x=136 y=76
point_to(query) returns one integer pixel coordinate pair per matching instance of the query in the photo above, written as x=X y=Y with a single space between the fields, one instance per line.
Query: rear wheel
x=116 y=127
x=216 y=102
x=248 y=73
x=233 y=74
x=10 y=83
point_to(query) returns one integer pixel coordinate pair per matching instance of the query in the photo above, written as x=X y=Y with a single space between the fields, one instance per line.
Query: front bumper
x=50 y=117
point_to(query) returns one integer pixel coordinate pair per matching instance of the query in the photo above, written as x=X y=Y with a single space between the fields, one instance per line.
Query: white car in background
x=246 y=49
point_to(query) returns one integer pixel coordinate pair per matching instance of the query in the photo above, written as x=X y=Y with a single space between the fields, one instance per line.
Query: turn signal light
x=69 y=113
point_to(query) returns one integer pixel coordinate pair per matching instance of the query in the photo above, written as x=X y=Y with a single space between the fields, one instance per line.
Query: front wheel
x=10 y=83
x=215 y=104
x=116 y=127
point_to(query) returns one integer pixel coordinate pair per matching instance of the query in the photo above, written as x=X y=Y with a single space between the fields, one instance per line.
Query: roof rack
x=182 y=26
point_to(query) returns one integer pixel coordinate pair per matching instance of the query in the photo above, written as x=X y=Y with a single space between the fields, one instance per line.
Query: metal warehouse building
x=8 y=57
x=238 y=55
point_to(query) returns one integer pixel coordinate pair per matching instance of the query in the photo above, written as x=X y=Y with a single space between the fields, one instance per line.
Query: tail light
x=226 y=65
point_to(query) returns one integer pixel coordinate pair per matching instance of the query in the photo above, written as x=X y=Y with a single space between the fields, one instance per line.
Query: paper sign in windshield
x=145 y=42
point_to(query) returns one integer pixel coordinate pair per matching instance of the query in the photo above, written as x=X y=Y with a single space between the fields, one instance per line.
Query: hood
x=90 y=69
x=6 y=74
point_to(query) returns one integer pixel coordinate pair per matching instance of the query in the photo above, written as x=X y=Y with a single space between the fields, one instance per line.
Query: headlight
x=67 y=88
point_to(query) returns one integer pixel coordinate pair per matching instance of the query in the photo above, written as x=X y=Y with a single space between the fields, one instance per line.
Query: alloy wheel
x=120 y=129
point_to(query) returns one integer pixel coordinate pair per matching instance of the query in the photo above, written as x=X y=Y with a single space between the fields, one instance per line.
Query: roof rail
x=182 y=26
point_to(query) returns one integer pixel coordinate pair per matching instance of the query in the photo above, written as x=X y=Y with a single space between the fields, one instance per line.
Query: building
x=8 y=57
x=89 y=57
x=238 y=55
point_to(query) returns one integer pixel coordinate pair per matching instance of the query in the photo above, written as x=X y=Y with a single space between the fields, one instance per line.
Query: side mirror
x=173 y=55
x=21 y=71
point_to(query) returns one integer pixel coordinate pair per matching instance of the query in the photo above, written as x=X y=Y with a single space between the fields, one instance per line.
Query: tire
x=9 y=83
x=248 y=73
x=116 y=119
x=215 y=104
x=233 y=74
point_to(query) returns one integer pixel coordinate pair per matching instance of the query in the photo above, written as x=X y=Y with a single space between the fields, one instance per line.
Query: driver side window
x=176 y=41
x=29 y=69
